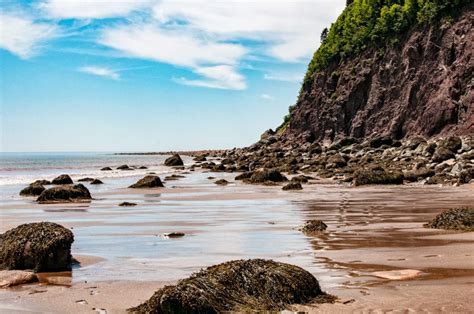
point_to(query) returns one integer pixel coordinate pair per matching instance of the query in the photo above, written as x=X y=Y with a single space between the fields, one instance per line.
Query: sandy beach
x=375 y=254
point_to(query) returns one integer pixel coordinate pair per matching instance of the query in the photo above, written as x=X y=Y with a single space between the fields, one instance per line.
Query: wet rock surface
x=174 y=161
x=292 y=186
x=312 y=226
x=62 y=179
x=237 y=286
x=65 y=193
x=461 y=219
x=148 y=182
x=44 y=246
x=33 y=189
x=127 y=204
x=222 y=182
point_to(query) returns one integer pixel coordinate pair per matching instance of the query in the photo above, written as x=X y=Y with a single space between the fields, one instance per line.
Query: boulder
x=377 y=176
x=88 y=179
x=148 y=182
x=42 y=247
x=222 y=182
x=106 y=169
x=454 y=219
x=42 y=182
x=237 y=286
x=62 y=179
x=33 y=189
x=65 y=193
x=127 y=204
x=292 y=186
x=97 y=181
x=267 y=175
x=124 y=167
x=200 y=158
x=174 y=161
x=313 y=226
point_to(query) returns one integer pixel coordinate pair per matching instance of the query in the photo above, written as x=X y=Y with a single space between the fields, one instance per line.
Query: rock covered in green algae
x=148 y=182
x=222 y=182
x=313 y=226
x=43 y=246
x=65 y=193
x=242 y=285
x=454 y=219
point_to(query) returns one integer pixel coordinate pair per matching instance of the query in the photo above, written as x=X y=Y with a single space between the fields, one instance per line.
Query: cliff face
x=421 y=86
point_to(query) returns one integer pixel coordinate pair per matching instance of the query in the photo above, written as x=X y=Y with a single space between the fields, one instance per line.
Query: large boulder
x=174 y=161
x=237 y=286
x=33 y=189
x=148 y=182
x=267 y=175
x=377 y=176
x=62 y=179
x=454 y=219
x=65 y=193
x=43 y=246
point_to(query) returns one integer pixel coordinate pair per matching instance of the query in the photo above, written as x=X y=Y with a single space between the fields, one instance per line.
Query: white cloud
x=220 y=76
x=22 y=36
x=100 y=71
x=284 y=77
x=91 y=9
x=267 y=97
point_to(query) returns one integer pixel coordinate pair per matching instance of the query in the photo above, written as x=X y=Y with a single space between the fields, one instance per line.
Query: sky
x=151 y=75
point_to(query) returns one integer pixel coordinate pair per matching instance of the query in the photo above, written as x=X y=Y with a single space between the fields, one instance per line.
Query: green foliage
x=368 y=23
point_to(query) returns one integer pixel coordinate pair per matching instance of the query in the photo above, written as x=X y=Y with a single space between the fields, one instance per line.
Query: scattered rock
x=62 y=179
x=174 y=161
x=377 y=176
x=237 y=286
x=174 y=177
x=106 y=169
x=293 y=186
x=127 y=204
x=148 y=182
x=65 y=193
x=43 y=246
x=454 y=219
x=124 y=167
x=9 y=278
x=143 y=167
x=313 y=226
x=244 y=176
x=96 y=181
x=174 y=235
x=85 y=179
x=33 y=189
x=222 y=182
x=267 y=175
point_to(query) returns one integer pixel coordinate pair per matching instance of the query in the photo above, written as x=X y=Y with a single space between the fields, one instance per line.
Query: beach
x=374 y=255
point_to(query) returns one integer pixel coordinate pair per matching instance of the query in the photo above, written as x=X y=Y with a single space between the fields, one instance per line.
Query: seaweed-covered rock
x=267 y=175
x=62 y=179
x=313 y=226
x=452 y=143
x=418 y=174
x=43 y=246
x=97 y=181
x=236 y=286
x=174 y=177
x=336 y=161
x=222 y=182
x=377 y=176
x=292 y=186
x=33 y=189
x=174 y=161
x=200 y=158
x=148 y=182
x=454 y=219
x=42 y=182
x=65 y=193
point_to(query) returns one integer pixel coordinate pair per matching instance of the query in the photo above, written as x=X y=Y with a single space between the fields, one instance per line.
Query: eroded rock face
x=65 y=193
x=62 y=179
x=43 y=246
x=243 y=285
x=148 y=182
x=174 y=161
x=420 y=86
x=454 y=219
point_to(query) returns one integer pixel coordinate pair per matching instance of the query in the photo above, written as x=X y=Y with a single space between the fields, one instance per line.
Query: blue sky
x=151 y=75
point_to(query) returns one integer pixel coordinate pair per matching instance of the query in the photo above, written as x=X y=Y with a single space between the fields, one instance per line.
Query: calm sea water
x=24 y=168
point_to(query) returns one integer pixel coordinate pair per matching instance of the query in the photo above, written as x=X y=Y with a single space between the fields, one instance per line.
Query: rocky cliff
x=421 y=85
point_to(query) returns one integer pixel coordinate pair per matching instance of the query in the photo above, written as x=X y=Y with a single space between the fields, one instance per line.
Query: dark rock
x=267 y=175
x=124 y=167
x=44 y=246
x=418 y=174
x=42 y=182
x=96 y=181
x=106 y=169
x=243 y=176
x=62 y=179
x=292 y=186
x=466 y=176
x=33 y=189
x=454 y=219
x=237 y=286
x=65 y=193
x=174 y=177
x=148 y=182
x=200 y=158
x=301 y=179
x=222 y=182
x=127 y=204
x=380 y=141
x=442 y=154
x=143 y=167
x=377 y=176
x=174 y=161
x=313 y=226
x=85 y=179
x=174 y=235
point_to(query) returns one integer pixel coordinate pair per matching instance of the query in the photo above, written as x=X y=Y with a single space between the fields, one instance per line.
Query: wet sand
x=375 y=254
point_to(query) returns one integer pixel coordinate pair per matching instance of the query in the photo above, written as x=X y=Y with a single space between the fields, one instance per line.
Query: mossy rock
x=65 y=193
x=237 y=286
x=43 y=246
x=96 y=181
x=148 y=182
x=222 y=182
x=244 y=176
x=454 y=219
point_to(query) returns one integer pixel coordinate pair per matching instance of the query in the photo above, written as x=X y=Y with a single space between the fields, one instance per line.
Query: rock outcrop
x=174 y=161
x=65 y=193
